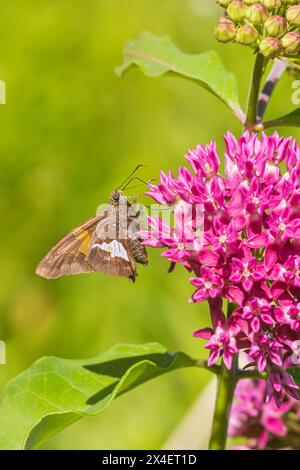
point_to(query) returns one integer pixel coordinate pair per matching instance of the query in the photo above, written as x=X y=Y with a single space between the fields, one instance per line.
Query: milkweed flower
x=245 y=247
x=263 y=425
x=221 y=340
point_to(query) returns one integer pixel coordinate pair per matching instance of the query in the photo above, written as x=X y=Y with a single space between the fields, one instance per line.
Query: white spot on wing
x=115 y=248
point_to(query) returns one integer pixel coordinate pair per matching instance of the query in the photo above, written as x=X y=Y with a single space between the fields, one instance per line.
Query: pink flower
x=289 y=314
x=204 y=161
x=163 y=193
x=279 y=384
x=245 y=248
x=265 y=349
x=246 y=271
x=257 y=312
x=222 y=341
x=263 y=425
x=209 y=284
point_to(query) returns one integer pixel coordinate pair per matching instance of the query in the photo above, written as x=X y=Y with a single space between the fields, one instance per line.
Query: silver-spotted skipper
x=107 y=243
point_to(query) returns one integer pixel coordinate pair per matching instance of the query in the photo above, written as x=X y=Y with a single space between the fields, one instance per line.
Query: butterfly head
x=116 y=197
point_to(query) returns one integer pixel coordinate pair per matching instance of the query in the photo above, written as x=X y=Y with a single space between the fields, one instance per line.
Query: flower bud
x=271 y=4
x=291 y=43
x=247 y=35
x=290 y=2
x=224 y=3
x=270 y=47
x=257 y=14
x=275 y=26
x=236 y=10
x=225 y=31
x=293 y=15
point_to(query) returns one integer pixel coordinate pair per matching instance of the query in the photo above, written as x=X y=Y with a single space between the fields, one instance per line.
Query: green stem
x=253 y=97
x=251 y=374
x=202 y=364
x=226 y=386
x=227 y=380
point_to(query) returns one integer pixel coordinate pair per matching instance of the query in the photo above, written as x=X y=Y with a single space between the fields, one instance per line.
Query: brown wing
x=111 y=257
x=88 y=248
x=114 y=255
x=68 y=256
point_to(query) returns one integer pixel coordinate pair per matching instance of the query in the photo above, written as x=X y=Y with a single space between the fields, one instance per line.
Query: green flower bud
x=236 y=10
x=275 y=26
x=225 y=31
x=271 y=4
x=290 y=2
x=291 y=43
x=293 y=15
x=247 y=35
x=257 y=14
x=224 y=3
x=270 y=47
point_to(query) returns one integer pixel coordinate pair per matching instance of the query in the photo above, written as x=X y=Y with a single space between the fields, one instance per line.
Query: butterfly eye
x=116 y=197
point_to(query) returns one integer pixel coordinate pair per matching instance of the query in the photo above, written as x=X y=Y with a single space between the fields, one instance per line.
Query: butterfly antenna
x=137 y=185
x=130 y=176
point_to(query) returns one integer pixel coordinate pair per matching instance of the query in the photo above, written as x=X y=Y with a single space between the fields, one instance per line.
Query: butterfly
x=107 y=243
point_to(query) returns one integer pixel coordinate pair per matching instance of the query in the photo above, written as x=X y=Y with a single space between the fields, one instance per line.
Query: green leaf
x=156 y=56
x=54 y=392
x=289 y=120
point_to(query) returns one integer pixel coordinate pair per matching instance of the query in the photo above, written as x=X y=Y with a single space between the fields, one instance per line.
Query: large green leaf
x=54 y=392
x=156 y=56
x=289 y=120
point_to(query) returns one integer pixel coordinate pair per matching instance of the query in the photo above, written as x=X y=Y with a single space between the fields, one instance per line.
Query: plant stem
x=251 y=115
x=201 y=363
x=226 y=386
x=227 y=380
x=251 y=374
x=278 y=69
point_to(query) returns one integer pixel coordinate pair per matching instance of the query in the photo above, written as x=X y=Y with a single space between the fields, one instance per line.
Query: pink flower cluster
x=245 y=248
x=263 y=425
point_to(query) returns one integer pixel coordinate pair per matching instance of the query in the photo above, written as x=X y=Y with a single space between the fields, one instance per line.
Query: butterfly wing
x=116 y=255
x=111 y=257
x=88 y=248
x=69 y=255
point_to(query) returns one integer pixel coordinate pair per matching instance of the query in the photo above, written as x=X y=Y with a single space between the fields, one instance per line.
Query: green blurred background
x=71 y=131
